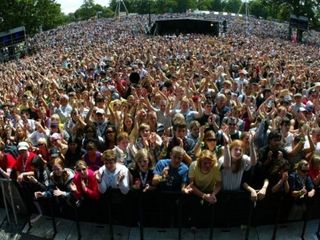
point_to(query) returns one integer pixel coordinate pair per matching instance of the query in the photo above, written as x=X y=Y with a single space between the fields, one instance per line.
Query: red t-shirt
x=25 y=165
x=313 y=173
x=7 y=162
x=92 y=186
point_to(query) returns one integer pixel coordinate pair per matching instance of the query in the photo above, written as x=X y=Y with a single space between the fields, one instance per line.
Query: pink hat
x=55 y=136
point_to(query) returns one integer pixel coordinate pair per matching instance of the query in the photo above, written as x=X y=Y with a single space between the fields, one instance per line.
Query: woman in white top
x=234 y=163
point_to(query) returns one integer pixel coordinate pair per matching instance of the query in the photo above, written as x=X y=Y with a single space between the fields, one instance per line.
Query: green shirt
x=205 y=182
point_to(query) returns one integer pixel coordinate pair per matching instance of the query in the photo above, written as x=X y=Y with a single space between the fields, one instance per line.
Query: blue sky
x=68 y=6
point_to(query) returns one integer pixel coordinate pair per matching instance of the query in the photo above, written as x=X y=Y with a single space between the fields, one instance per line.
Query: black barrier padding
x=161 y=209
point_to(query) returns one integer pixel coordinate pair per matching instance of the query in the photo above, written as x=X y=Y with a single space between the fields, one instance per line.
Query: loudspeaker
x=299 y=22
x=13 y=36
x=225 y=26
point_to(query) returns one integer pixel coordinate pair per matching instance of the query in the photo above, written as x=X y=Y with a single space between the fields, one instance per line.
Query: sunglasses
x=211 y=140
x=40 y=144
x=143 y=161
x=304 y=171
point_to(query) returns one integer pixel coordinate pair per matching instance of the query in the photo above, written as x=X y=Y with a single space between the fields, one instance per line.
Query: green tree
x=204 y=4
x=307 y=8
x=165 y=6
x=258 y=9
x=184 y=5
x=89 y=9
x=33 y=14
x=216 y=5
x=232 y=6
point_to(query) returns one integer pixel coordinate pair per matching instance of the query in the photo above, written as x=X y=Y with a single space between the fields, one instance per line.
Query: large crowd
x=99 y=106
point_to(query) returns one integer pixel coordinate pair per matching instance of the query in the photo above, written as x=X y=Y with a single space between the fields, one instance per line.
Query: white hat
x=100 y=110
x=23 y=146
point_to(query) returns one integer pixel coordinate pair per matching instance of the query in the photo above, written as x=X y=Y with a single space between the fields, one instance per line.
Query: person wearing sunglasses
x=207 y=141
x=302 y=188
x=85 y=184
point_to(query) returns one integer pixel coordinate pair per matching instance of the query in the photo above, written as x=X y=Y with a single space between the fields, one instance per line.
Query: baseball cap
x=23 y=146
x=100 y=111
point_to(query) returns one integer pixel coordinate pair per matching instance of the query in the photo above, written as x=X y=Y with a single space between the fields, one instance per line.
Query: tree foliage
x=33 y=14
x=89 y=9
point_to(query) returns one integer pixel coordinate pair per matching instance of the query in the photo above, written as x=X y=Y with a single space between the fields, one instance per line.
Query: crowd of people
x=100 y=107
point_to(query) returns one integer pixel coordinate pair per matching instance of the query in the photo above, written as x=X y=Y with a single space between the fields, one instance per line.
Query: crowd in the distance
x=98 y=108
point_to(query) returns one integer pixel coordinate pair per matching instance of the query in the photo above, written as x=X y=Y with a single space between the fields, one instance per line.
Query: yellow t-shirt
x=205 y=182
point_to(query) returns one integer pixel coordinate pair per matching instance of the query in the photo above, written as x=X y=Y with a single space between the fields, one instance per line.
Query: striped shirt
x=231 y=181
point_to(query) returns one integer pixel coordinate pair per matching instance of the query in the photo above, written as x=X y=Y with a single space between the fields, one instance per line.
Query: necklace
x=143 y=179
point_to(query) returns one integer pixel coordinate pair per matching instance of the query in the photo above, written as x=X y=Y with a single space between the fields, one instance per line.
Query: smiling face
x=211 y=143
x=236 y=150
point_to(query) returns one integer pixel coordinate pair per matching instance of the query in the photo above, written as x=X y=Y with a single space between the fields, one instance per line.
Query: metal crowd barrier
x=215 y=214
x=6 y=188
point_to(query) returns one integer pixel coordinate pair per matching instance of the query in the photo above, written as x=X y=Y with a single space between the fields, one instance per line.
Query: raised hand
x=73 y=187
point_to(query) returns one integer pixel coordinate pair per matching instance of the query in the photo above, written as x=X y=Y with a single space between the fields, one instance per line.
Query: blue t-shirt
x=176 y=176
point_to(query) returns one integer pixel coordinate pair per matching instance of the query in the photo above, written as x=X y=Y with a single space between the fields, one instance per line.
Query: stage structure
x=298 y=25
x=185 y=26
x=118 y=12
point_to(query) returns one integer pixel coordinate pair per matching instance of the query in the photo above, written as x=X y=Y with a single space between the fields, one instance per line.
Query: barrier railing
x=6 y=188
x=147 y=205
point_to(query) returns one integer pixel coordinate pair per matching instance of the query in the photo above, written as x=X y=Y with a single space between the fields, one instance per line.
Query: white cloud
x=69 y=6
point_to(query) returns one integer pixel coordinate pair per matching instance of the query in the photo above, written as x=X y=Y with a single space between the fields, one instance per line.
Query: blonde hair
x=108 y=155
x=58 y=161
x=143 y=153
x=144 y=126
x=207 y=154
x=301 y=164
x=42 y=140
x=178 y=150
x=80 y=164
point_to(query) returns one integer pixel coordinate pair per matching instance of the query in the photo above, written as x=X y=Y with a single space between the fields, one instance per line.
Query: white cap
x=23 y=146
x=100 y=110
